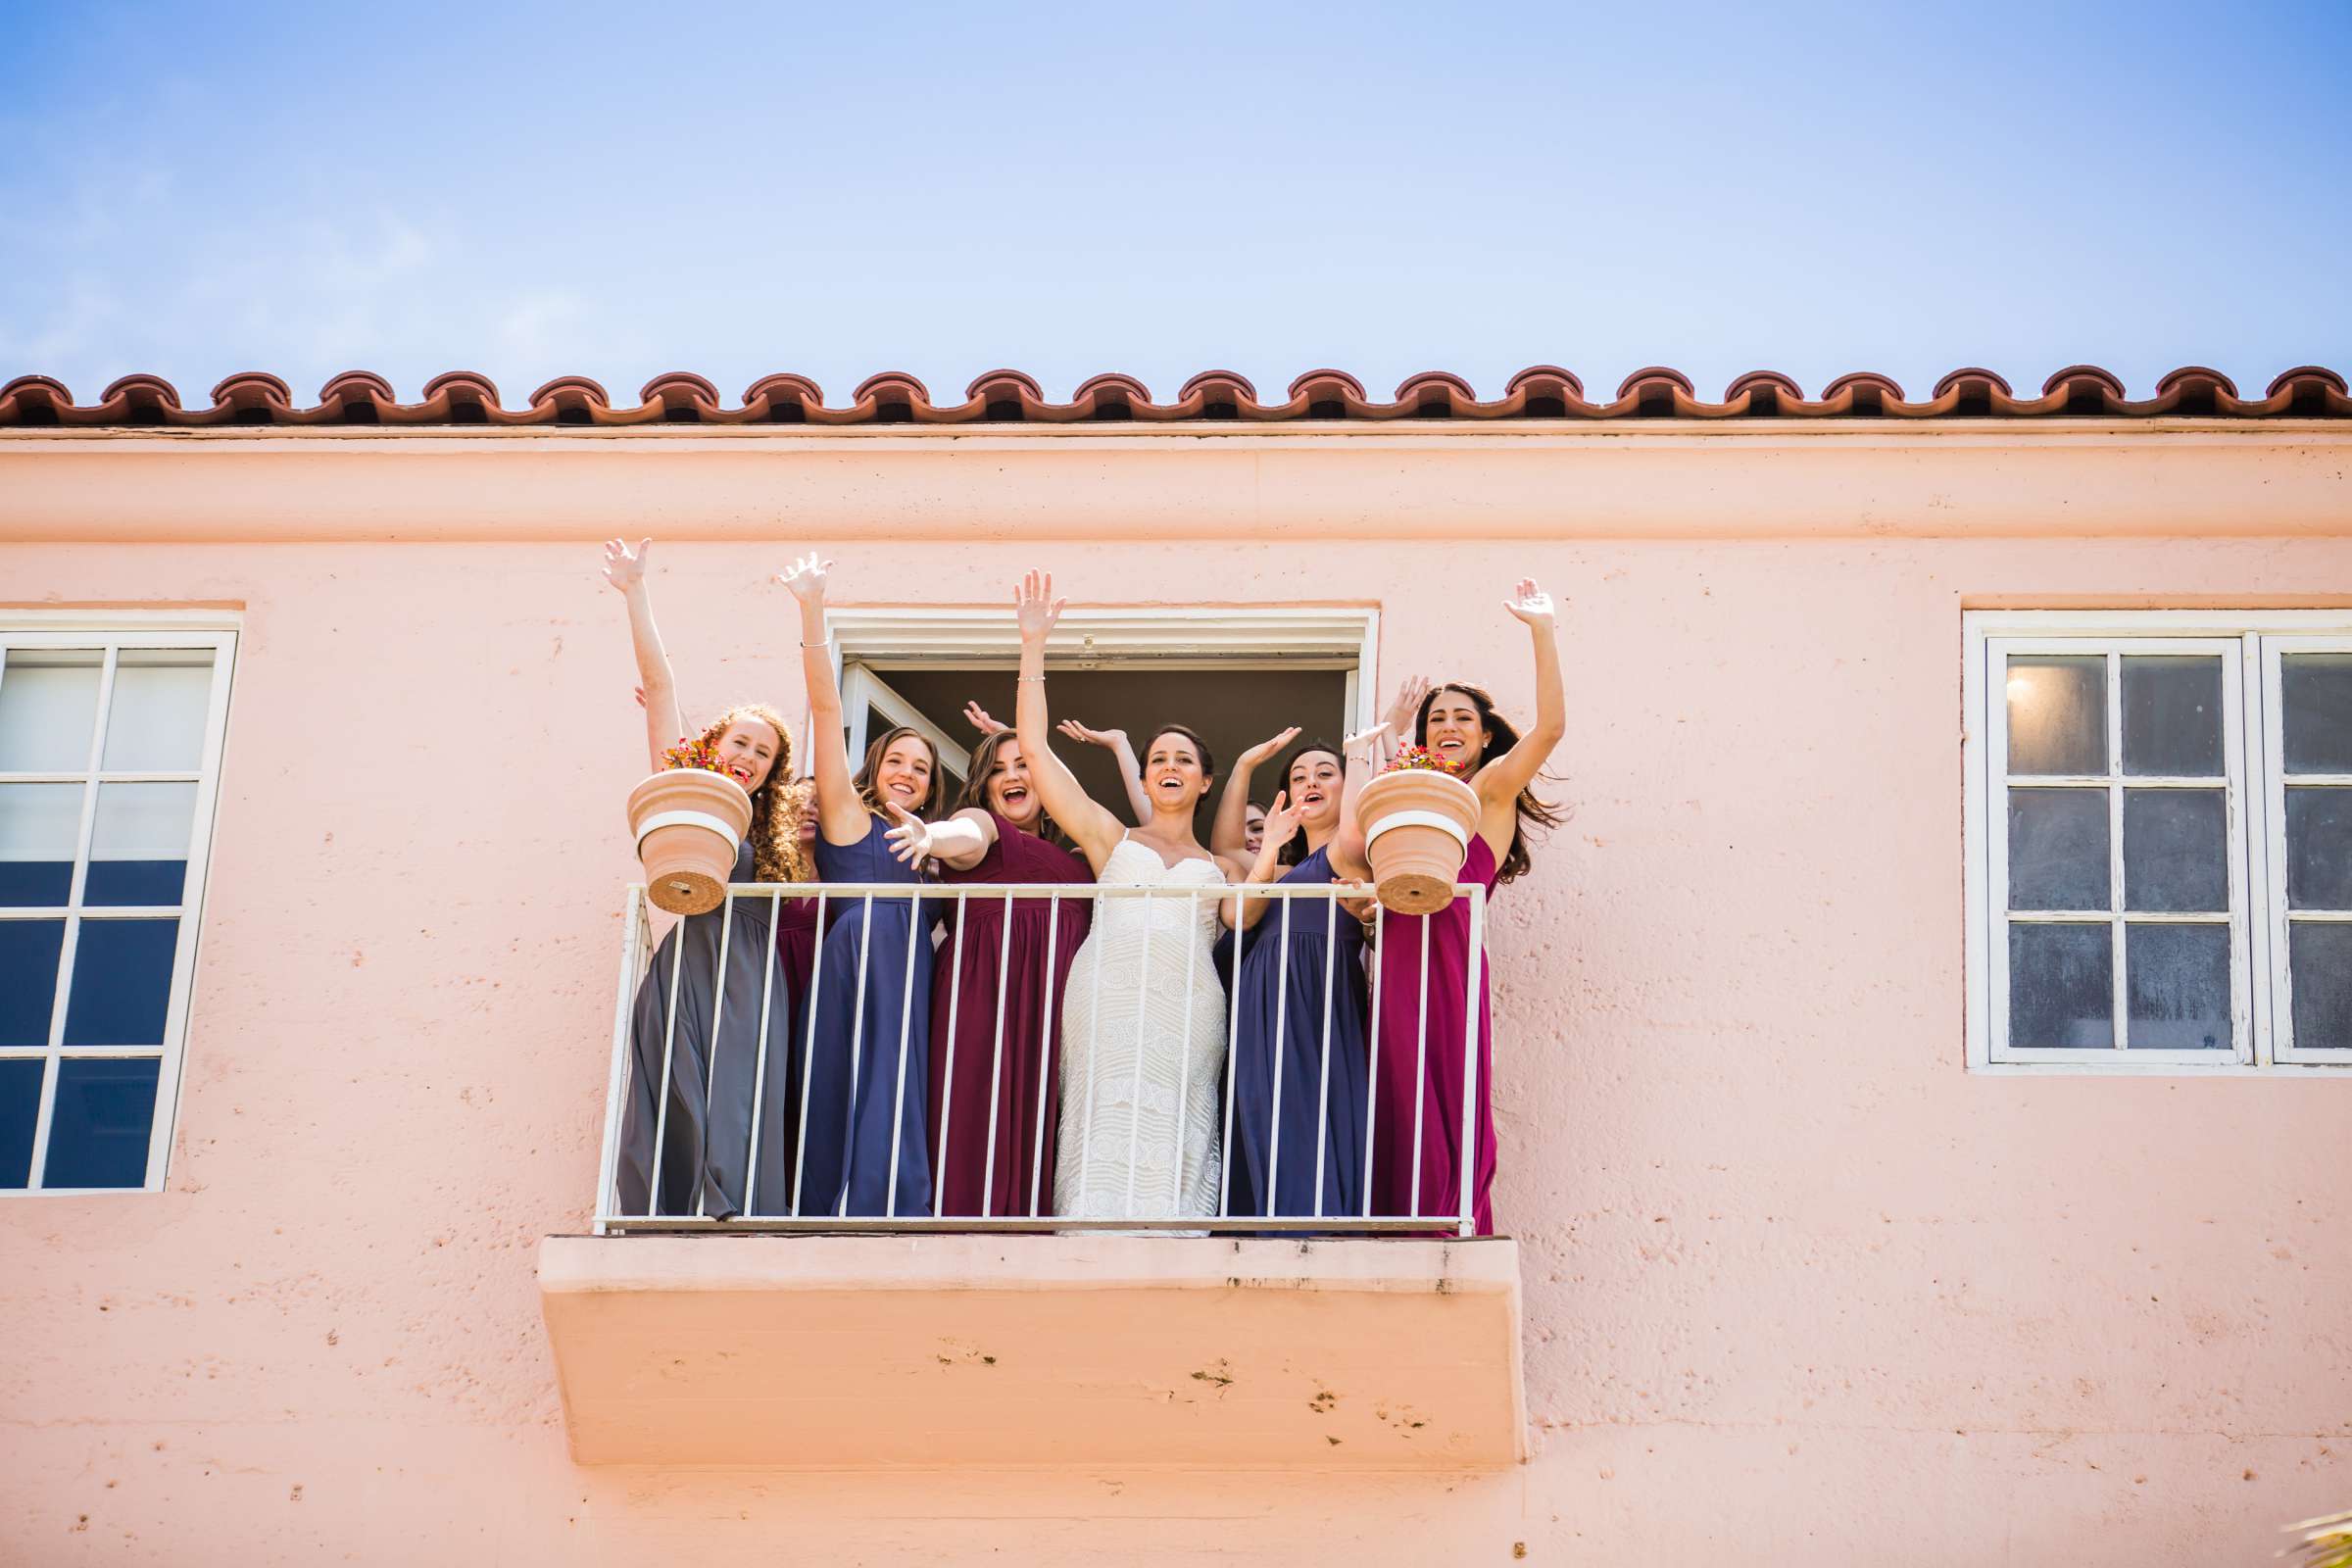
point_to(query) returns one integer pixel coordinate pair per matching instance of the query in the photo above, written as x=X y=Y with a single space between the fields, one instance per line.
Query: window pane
x=2060 y=986
x=39 y=824
x=155 y=720
x=2173 y=716
x=2058 y=850
x=139 y=844
x=98 y=1129
x=48 y=705
x=121 y=982
x=2175 y=851
x=2319 y=848
x=2320 y=978
x=2179 y=986
x=2057 y=714
x=2316 y=698
x=20 y=1109
x=29 y=950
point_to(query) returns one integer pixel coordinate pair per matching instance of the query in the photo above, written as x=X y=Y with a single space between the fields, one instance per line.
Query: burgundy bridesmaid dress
x=967 y=1069
x=1407 y=1080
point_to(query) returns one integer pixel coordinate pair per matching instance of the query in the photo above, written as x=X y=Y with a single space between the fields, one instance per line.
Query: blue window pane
x=98 y=1131
x=121 y=982
x=28 y=979
x=39 y=826
x=19 y=1108
x=139 y=843
x=2178 y=983
x=2060 y=986
x=135 y=882
x=36 y=884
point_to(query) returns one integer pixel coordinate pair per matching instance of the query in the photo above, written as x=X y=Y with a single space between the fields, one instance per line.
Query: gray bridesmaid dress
x=705 y=1140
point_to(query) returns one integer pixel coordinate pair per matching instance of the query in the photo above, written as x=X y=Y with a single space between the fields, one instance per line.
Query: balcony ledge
x=1013 y=1352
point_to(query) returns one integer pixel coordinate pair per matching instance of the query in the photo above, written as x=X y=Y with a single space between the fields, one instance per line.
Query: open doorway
x=1236 y=675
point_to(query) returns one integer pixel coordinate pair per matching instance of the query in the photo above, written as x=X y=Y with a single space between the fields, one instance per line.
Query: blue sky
x=616 y=191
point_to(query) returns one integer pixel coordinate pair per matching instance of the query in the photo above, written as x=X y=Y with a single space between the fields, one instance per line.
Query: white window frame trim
x=118 y=629
x=2257 y=848
x=2267 y=683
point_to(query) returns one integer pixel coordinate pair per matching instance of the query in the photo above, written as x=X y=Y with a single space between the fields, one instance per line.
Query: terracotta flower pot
x=689 y=822
x=1417 y=826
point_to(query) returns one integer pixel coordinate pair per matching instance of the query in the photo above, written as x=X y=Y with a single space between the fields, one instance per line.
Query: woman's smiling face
x=1314 y=788
x=1010 y=793
x=746 y=753
x=903 y=777
x=1453 y=729
x=1172 y=772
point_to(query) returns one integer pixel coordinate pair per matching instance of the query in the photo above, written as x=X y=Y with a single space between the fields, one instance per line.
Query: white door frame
x=862 y=689
x=1341 y=637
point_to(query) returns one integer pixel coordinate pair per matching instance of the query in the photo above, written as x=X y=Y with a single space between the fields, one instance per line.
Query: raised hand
x=1034 y=607
x=1268 y=747
x=1282 y=821
x=910 y=839
x=982 y=720
x=1407 y=706
x=1073 y=730
x=1530 y=604
x=1360 y=743
x=807 y=579
x=624 y=569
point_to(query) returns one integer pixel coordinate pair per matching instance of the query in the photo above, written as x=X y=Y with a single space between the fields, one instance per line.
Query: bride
x=1144 y=1025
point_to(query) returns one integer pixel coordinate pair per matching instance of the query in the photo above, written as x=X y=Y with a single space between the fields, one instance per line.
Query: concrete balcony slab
x=950 y=1352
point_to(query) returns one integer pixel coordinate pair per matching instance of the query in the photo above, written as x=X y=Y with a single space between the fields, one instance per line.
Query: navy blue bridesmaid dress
x=1276 y=1176
x=864 y=1093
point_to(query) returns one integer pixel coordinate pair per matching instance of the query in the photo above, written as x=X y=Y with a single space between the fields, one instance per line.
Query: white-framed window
x=110 y=730
x=2159 y=840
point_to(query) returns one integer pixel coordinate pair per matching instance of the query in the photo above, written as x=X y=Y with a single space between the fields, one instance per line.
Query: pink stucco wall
x=1798 y=1289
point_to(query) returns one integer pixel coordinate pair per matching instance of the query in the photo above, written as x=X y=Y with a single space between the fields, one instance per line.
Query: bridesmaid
x=1113 y=741
x=1298 y=1137
x=865 y=1137
x=1420 y=1112
x=705 y=1136
x=990 y=1105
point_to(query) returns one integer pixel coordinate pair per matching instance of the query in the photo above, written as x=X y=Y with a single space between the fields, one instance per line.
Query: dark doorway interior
x=1233 y=710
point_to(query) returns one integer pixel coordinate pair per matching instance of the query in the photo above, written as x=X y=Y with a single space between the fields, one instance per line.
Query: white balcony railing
x=1430 y=1048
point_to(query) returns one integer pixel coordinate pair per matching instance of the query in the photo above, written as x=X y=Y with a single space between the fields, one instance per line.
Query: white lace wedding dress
x=1143 y=1048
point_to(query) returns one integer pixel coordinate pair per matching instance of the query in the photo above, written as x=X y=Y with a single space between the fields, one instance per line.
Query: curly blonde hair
x=779 y=804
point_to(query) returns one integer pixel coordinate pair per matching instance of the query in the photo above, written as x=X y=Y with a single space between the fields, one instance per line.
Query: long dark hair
x=1502 y=736
x=869 y=794
x=1294 y=852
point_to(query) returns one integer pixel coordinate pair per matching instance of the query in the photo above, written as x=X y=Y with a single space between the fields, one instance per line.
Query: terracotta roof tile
x=1011 y=396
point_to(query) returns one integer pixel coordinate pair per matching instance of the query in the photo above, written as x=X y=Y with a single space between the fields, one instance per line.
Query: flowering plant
x=1423 y=759
x=692 y=753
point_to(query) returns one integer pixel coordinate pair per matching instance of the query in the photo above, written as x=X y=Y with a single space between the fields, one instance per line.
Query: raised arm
x=1230 y=830
x=1411 y=691
x=840 y=815
x=1122 y=756
x=1501 y=779
x=1092 y=829
x=1348 y=861
x=1282 y=824
x=624 y=569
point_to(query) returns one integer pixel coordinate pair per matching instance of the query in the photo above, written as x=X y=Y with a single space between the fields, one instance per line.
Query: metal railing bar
x=816 y=986
x=849 y=1147
x=767 y=990
x=718 y=1014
